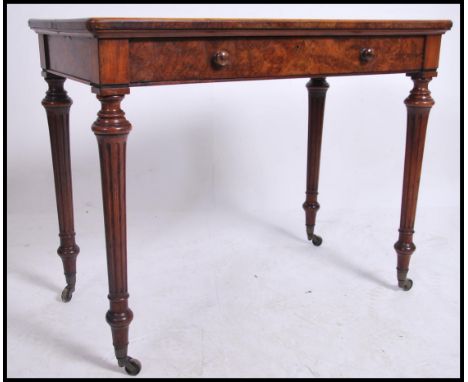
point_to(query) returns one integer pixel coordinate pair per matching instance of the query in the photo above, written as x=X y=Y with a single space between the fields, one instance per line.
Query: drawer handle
x=221 y=58
x=367 y=54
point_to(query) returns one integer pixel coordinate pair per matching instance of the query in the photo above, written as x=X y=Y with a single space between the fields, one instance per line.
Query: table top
x=153 y=27
x=144 y=51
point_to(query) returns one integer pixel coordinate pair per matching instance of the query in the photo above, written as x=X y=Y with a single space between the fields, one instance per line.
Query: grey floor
x=236 y=294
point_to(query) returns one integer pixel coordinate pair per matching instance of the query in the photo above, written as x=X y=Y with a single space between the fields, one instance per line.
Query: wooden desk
x=113 y=55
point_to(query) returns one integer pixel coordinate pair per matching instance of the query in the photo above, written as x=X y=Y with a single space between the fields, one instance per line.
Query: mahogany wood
x=192 y=59
x=76 y=56
x=135 y=52
x=317 y=89
x=431 y=52
x=113 y=55
x=418 y=104
x=147 y=27
x=111 y=129
x=57 y=105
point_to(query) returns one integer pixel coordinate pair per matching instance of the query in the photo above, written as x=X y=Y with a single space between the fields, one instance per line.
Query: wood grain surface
x=157 y=27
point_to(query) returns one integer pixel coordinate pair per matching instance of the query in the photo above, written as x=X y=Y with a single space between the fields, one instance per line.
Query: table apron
x=152 y=61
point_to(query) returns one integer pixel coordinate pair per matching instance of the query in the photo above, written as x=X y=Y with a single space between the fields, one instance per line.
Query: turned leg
x=57 y=105
x=317 y=89
x=111 y=129
x=418 y=104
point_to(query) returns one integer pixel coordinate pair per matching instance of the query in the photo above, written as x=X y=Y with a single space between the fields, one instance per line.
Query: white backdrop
x=236 y=146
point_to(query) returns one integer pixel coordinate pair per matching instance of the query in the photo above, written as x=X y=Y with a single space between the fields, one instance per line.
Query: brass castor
x=132 y=365
x=405 y=284
x=67 y=293
x=316 y=239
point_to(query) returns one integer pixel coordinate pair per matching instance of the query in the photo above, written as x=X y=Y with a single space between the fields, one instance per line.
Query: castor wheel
x=316 y=240
x=132 y=365
x=405 y=284
x=67 y=293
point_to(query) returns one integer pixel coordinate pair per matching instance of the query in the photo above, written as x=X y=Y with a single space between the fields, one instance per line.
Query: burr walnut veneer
x=112 y=55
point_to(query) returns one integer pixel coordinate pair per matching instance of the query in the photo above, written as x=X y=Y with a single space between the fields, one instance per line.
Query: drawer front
x=197 y=60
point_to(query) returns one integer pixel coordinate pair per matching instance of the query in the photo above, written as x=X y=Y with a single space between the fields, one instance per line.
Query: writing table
x=112 y=55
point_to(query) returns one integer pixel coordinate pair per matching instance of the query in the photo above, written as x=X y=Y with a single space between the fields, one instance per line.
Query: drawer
x=179 y=60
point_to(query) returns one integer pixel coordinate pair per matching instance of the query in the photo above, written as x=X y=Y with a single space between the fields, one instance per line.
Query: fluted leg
x=418 y=104
x=57 y=105
x=317 y=89
x=111 y=129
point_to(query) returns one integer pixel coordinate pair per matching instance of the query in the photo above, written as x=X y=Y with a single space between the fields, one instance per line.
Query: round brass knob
x=221 y=58
x=367 y=54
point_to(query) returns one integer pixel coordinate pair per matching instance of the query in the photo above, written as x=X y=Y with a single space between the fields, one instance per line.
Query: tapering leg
x=317 y=89
x=111 y=129
x=57 y=105
x=418 y=104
